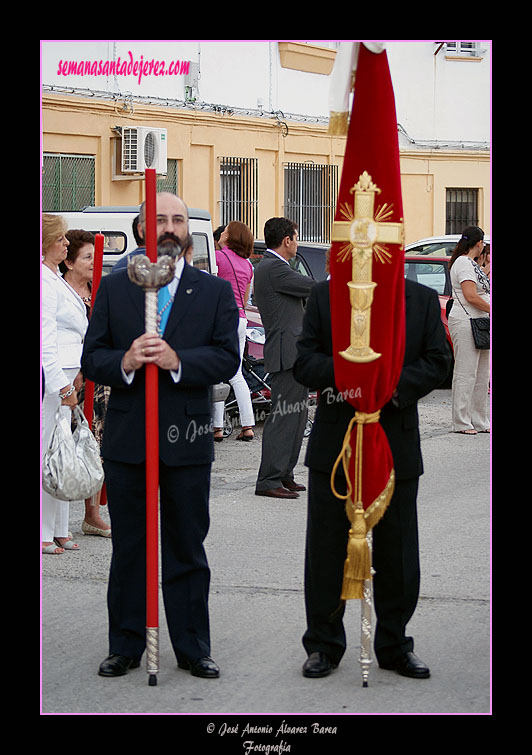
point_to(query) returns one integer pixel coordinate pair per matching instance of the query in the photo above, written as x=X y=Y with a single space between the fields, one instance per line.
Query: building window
x=67 y=182
x=461 y=209
x=239 y=191
x=310 y=193
x=462 y=49
x=170 y=181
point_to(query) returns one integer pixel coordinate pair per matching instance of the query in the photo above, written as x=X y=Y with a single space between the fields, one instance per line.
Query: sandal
x=243 y=435
x=69 y=545
x=218 y=434
x=53 y=549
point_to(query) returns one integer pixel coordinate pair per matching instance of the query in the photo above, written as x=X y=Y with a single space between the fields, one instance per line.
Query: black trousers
x=184 y=523
x=395 y=560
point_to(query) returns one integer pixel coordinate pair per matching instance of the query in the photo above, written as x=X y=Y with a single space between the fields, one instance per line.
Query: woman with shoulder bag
x=64 y=322
x=471 y=307
x=236 y=243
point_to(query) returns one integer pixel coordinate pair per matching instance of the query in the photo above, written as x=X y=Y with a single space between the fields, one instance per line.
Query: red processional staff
x=367 y=301
x=151 y=273
x=88 y=401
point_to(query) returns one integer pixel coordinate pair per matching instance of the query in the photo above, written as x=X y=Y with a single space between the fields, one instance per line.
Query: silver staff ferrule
x=152 y=654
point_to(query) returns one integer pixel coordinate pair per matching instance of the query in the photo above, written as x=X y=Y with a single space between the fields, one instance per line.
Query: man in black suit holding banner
x=395 y=536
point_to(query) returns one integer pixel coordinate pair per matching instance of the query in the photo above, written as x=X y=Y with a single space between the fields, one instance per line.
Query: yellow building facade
x=198 y=142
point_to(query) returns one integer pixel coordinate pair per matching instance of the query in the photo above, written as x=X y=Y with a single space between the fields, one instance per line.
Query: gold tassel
x=358 y=560
x=357 y=566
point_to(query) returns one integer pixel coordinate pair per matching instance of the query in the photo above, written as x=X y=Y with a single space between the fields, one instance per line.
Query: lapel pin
x=189 y=290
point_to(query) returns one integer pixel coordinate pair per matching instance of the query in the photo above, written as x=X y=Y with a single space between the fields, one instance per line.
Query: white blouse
x=64 y=323
x=466 y=269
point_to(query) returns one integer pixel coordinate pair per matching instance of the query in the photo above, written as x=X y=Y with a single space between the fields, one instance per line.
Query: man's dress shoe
x=117 y=665
x=203 y=667
x=318 y=664
x=292 y=485
x=409 y=665
x=277 y=493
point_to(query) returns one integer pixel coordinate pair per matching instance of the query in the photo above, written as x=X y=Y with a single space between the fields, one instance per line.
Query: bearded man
x=196 y=347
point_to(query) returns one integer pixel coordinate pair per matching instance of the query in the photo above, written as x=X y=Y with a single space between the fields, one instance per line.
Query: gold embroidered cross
x=364 y=231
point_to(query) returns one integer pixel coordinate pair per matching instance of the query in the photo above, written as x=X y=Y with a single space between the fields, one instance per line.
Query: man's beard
x=169 y=244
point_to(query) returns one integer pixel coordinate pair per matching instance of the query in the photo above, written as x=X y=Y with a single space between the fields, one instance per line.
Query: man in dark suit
x=395 y=537
x=280 y=293
x=198 y=348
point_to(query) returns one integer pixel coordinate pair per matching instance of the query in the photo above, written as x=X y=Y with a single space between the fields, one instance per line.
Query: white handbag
x=72 y=468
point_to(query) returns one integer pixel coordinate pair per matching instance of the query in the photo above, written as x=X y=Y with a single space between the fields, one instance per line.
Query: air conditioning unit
x=143 y=147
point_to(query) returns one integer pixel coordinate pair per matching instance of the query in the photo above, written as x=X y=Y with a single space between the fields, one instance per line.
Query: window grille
x=67 y=182
x=170 y=181
x=310 y=193
x=239 y=191
x=467 y=49
x=461 y=209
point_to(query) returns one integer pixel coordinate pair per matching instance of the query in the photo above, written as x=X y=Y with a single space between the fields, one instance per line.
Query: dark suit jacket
x=280 y=293
x=426 y=364
x=202 y=329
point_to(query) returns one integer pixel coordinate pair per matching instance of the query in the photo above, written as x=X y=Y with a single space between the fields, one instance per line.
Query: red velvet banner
x=367 y=288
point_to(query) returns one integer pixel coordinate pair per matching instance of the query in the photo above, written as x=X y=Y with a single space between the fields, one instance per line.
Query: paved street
x=255 y=548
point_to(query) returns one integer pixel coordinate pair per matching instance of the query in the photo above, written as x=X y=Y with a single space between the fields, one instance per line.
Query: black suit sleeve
x=314 y=366
x=431 y=363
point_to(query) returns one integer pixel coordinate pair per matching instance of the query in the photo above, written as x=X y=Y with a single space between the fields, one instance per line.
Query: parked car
x=436 y=245
x=310 y=258
x=432 y=272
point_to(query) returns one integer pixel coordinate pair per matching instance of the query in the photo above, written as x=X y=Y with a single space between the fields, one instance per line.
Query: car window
x=114 y=242
x=431 y=274
x=299 y=266
x=439 y=249
x=200 y=257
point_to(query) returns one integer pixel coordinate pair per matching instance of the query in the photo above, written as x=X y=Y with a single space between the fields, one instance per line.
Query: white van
x=116 y=225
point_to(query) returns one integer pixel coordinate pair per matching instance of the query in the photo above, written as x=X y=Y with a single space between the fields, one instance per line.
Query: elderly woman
x=77 y=269
x=64 y=322
x=471 y=295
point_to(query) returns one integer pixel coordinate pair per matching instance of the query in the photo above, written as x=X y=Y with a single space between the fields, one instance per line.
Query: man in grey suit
x=280 y=293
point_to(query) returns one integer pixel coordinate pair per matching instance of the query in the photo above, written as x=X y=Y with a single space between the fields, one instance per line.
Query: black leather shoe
x=277 y=493
x=292 y=485
x=318 y=664
x=409 y=665
x=203 y=667
x=117 y=665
